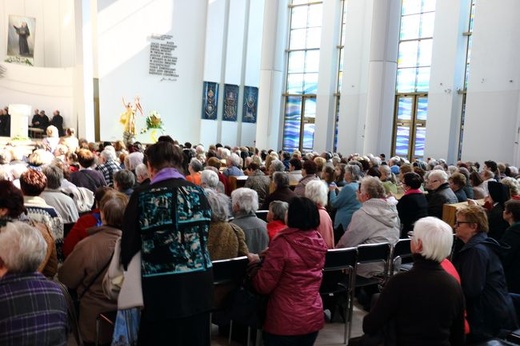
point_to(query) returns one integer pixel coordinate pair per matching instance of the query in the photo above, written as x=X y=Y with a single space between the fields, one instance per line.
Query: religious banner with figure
x=209 y=101
x=230 y=102
x=20 y=39
x=250 y=104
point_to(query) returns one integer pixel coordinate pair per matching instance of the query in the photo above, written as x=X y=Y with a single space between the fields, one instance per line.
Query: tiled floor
x=330 y=335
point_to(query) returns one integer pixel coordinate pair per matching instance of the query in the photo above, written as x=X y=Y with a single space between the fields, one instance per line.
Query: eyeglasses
x=433 y=181
x=458 y=223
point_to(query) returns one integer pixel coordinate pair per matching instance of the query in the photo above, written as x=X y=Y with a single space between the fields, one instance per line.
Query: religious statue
x=127 y=118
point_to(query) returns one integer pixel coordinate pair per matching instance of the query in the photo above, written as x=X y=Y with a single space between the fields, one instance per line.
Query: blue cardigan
x=346 y=203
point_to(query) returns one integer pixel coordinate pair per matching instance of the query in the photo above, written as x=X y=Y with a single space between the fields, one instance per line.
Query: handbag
x=124 y=286
x=126 y=327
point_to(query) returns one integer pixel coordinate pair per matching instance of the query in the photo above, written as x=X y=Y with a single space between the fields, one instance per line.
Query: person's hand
x=263 y=253
x=253 y=258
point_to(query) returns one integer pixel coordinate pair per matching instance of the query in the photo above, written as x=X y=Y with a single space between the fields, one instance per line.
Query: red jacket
x=79 y=230
x=291 y=275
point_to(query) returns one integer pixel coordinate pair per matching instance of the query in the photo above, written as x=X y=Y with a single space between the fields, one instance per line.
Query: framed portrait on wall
x=209 y=101
x=20 y=38
x=230 y=102
x=250 y=104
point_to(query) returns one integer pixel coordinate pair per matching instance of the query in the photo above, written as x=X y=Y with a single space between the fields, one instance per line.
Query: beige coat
x=88 y=258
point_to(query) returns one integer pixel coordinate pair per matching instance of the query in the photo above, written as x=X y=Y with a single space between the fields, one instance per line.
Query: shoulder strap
x=96 y=277
x=89 y=177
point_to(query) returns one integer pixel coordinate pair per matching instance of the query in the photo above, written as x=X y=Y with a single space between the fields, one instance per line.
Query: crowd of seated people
x=360 y=199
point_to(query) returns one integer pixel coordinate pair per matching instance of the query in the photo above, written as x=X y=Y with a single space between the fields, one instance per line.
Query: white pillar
x=269 y=123
x=382 y=68
x=325 y=99
x=84 y=78
x=355 y=75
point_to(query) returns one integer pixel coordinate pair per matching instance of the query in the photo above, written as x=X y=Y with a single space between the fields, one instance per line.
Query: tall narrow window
x=464 y=89
x=413 y=77
x=303 y=59
x=341 y=51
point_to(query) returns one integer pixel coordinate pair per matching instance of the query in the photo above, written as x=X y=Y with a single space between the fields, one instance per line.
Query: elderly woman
x=124 y=181
x=316 y=191
x=457 y=182
x=86 y=176
x=33 y=183
x=291 y=274
x=233 y=166
x=436 y=315
x=225 y=240
x=439 y=192
x=513 y=185
x=488 y=303
x=345 y=202
x=476 y=182
x=376 y=221
x=258 y=181
x=84 y=268
x=52 y=139
x=282 y=190
x=244 y=204
x=276 y=218
x=413 y=204
x=54 y=196
x=194 y=168
x=33 y=310
x=309 y=170
x=209 y=179
x=388 y=179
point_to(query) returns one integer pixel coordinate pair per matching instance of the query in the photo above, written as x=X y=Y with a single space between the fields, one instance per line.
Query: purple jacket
x=291 y=275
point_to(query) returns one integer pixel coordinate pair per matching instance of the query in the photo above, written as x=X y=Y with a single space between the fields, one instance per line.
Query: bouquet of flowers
x=153 y=121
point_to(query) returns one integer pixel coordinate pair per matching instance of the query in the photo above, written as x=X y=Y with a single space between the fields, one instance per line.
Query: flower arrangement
x=153 y=121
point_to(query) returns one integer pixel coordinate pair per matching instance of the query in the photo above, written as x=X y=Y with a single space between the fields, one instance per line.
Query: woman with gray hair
x=436 y=315
x=276 y=218
x=376 y=221
x=244 y=204
x=209 y=179
x=225 y=240
x=316 y=191
x=345 y=201
x=26 y=316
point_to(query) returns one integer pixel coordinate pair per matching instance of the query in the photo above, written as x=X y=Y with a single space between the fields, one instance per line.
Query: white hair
x=141 y=171
x=133 y=159
x=235 y=159
x=438 y=174
x=436 y=237
x=317 y=191
x=246 y=199
x=52 y=131
x=22 y=247
x=209 y=178
x=108 y=154
x=219 y=203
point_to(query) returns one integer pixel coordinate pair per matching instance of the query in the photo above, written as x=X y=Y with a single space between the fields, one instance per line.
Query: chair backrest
x=368 y=253
x=262 y=214
x=401 y=254
x=337 y=259
x=230 y=270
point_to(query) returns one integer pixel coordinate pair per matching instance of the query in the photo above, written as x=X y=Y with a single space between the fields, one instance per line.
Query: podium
x=19 y=120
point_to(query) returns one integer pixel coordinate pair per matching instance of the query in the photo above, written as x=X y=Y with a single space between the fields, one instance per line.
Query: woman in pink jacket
x=291 y=274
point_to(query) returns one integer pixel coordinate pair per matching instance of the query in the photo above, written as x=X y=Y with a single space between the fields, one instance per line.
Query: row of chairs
x=341 y=267
x=340 y=272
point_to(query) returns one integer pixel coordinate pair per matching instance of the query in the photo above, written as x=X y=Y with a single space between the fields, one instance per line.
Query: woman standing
x=291 y=274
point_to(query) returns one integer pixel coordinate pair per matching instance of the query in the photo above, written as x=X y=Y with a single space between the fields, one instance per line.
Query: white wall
x=492 y=112
x=124 y=31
